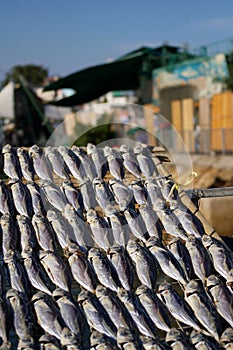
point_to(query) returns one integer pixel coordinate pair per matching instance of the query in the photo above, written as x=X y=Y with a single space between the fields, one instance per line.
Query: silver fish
x=120 y=260
x=72 y=162
x=35 y=273
x=151 y=220
x=26 y=164
x=137 y=312
x=139 y=192
x=127 y=340
x=221 y=257
x=119 y=226
x=61 y=228
x=97 y=317
x=86 y=161
x=114 y=307
x=130 y=161
x=104 y=269
x=9 y=235
x=104 y=195
x=28 y=239
x=41 y=164
x=202 y=342
x=48 y=315
x=187 y=222
x=144 y=263
x=48 y=342
x=166 y=260
x=155 y=194
x=72 y=194
x=70 y=312
x=177 y=306
x=153 y=344
x=122 y=193
x=203 y=308
x=22 y=314
x=88 y=194
x=99 y=341
x=221 y=297
x=178 y=340
x=116 y=167
x=58 y=165
x=227 y=339
x=44 y=232
x=18 y=276
x=53 y=195
x=171 y=223
x=25 y=344
x=6 y=201
x=11 y=165
x=21 y=197
x=181 y=253
x=101 y=231
x=200 y=257
x=146 y=164
x=69 y=340
x=5 y=323
x=56 y=269
x=136 y=224
x=154 y=308
x=82 y=271
x=229 y=281
x=98 y=159
x=38 y=201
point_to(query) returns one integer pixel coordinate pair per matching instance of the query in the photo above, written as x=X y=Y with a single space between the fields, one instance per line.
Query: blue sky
x=65 y=36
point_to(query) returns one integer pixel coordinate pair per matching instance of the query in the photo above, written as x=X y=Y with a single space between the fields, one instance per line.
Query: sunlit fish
x=61 y=227
x=44 y=232
x=26 y=164
x=177 y=306
x=86 y=161
x=127 y=340
x=145 y=161
x=119 y=226
x=116 y=167
x=18 y=276
x=187 y=222
x=221 y=257
x=120 y=260
x=28 y=239
x=56 y=269
x=22 y=314
x=5 y=324
x=181 y=253
x=104 y=195
x=137 y=312
x=145 y=264
x=53 y=195
x=202 y=342
x=222 y=298
x=41 y=164
x=35 y=272
x=70 y=311
x=227 y=339
x=136 y=224
x=104 y=269
x=130 y=161
x=48 y=314
x=151 y=220
x=72 y=194
x=101 y=231
x=38 y=201
x=113 y=306
x=99 y=341
x=166 y=260
x=83 y=271
x=155 y=194
x=6 y=201
x=229 y=281
x=48 y=342
x=88 y=194
x=154 y=344
x=154 y=307
x=58 y=165
x=139 y=192
x=97 y=317
x=21 y=197
x=171 y=224
x=69 y=340
x=203 y=308
x=10 y=236
x=122 y=193
x=11 y=165
x=98 y=159
x=178 y=340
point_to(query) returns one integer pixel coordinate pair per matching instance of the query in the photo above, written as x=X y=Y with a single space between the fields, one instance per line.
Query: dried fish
x=53 y=195
x=221 y=297
x=38 y=201
x=127 y=340
x=58 y=165
x=202 y=342
x=73 y=195
x=61 y=228
x=166 y=260
x=101 y=231
x=10 y=235
x=154 y=308
x=119 y=226
x=139 y=192
x=104 y=269
x=130 y=161
x=200 y=257
x=88 y=194
x=28 y=239
x=145 y=161
x=41 y=164
x=6 y=201
x=99 y=341
x=177 y=306
x=49 y=342
x=69 y=340
x=154 y=344
x=97 y=317
x=136 y=224
x=98 y=160
x=86 y=161
x=221 y=257
x=21 y=197
x=151 y=220
x=203 y=308
x=103 y=193
x=116 y=167
x=72 y=162
x=178 y=340
x=144 y=263
x=26 y=164
x=122 y=193
x=120 y=260
x=44 y=232
x=137 y=312
x=18 y=276
x=11 y=165
x=227 y=339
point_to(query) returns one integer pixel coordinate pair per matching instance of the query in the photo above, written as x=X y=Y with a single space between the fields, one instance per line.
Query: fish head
x=132 y=246
x=108 y=151
x=227 y=336
x=33 y=150
x=174 y=335
x=52 y=215
x=124 y=295
x=153 y=242
x=212 y=281
x=207 y=241
x=83 y=296
x=141 y=290
x=68 y=337
x=59 y=293
x=91 y=215
x=96 y=338
x=22 y=219
x=6 y=148
x=164 y=289
x=124 y=335
x=193 y=287
x=91 y=148
x=124 y=148
x=191 y=241
x=39 y=296
x=12 y=295
x=229 y=281
x=138 y=148
x=69 y=212
x=101 y=291
x=38 y=217
x=94 y=252
x=5 y=219
x=196 y=337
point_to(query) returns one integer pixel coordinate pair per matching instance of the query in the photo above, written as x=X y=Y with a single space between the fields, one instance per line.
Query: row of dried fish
x=75 y=161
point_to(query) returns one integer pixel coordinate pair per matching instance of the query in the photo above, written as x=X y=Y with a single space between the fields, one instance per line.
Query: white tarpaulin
x=7 y=101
